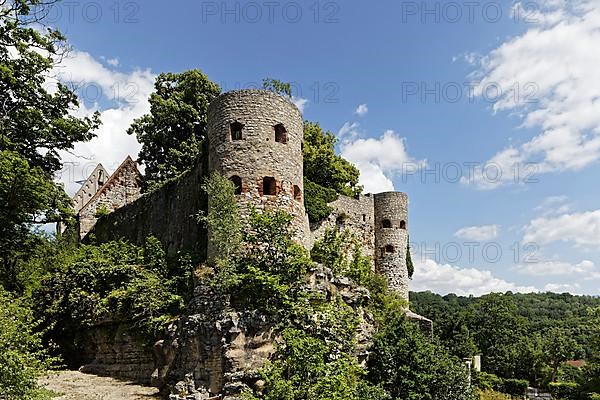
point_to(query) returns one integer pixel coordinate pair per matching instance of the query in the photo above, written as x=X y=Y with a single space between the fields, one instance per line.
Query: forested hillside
x=521 y=336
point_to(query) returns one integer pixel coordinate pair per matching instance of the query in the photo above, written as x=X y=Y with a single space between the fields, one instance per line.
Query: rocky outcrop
x=217 y=350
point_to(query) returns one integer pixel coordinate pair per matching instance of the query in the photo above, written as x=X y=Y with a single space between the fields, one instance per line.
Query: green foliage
x=272 y=267
x=564 y=390
x=514 y=387
x=547 y=330
x=115 y=281
x=316 y=200
x=409 y=366
x=34 y=123
x=277 y=86
x=172 y=133
x=325 y=168
x=486 y=381
x=558 y=347
x=22 y=359
x=224 y=223
x=409 y=263
x=315 y=359
x=102 y=211
x=27 y=195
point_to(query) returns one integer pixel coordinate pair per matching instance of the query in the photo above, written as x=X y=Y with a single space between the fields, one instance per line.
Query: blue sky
x=390 y=78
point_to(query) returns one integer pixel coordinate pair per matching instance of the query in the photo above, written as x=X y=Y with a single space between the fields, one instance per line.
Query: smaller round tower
x=391 y=239
x=256 y=139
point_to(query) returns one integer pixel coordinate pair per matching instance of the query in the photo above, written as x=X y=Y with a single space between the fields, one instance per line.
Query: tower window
x=100 y=178
x=389 y=249
x=297 y=193
x=402 y=224
x=237 y=183
x=386 y=223
x=236 y=130
x=280 y=133
x=364 y=217
x=269 y=186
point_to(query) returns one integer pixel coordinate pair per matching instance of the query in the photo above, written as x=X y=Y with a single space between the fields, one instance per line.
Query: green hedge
x=564 y=390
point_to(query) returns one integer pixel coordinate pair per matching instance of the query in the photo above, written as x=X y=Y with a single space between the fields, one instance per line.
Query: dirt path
x=74 y=385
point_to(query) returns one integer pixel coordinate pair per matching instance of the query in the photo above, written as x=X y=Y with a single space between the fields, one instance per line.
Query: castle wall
x=356 y=214
x=169 y=214
x=256 y=153
x=391 y=239
x=121 y=189
x=90 y=187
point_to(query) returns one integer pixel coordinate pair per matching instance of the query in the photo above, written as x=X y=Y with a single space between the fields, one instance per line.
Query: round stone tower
x=256 y=139
x=391 y=239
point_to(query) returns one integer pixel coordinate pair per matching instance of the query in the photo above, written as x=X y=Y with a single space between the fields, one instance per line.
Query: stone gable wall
x=121 y=189
x=169 y=214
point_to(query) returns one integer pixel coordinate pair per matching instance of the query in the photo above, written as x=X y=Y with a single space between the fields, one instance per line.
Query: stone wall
x=110 y=350
x=357 y=214
x=169 y=214
x=121 y=189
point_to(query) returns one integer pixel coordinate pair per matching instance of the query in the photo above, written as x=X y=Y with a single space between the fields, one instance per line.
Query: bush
x=486 y=381
x=115 y=281
x=22 y=358
x=514 y=387
x=564 y=390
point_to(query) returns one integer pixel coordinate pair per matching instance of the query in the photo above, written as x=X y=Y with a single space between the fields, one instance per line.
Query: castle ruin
x=255 y=138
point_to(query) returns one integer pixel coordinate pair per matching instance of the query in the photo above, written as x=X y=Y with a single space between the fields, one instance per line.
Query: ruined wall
x=111 y=350
x=169 y=214
x=256 y=150
x=357 y=214
x=391 y=239
x=121 y=189
x=90 y=187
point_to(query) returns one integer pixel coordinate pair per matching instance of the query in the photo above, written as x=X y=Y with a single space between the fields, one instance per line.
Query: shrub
x=514 y=387
x=564 y=390
x=22 y=358
x=486 y=381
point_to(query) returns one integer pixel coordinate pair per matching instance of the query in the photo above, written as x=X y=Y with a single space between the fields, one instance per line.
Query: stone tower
x=255 y=139
x=391 y=239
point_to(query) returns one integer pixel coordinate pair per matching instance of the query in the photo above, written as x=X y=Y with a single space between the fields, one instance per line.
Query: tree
x=500 y=333
x=323 y=166
x=172 y=133
x=35 y=125
x=409 y=366
x=558 y=347
x=277 y=86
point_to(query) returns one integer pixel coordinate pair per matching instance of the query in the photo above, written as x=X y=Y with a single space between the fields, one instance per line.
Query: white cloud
x=127 y=97
x=553 y=205
x=585 y=268
x=582 y=229
x=445 y=278
x=300 y=102
x=478 y=233
x=361 y=110
x=113 y=62
x=378 y=159
x=554 y=67
x=562 y=288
